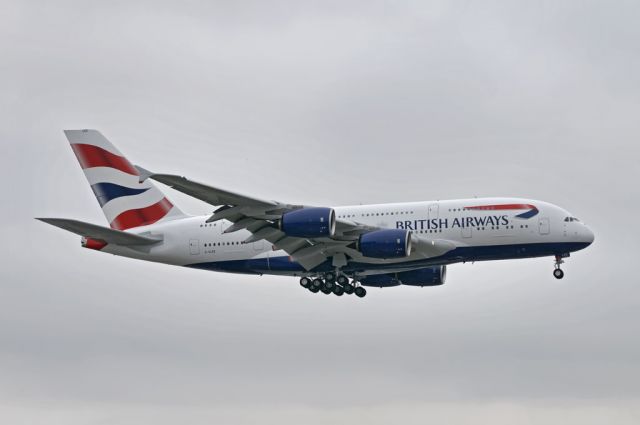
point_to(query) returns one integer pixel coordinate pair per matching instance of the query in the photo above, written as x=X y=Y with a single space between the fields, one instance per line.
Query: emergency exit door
x=433 y=211
x=194 y=246
x=543 y=226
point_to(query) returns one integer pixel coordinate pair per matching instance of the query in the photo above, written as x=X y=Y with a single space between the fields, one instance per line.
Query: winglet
x=144 y=174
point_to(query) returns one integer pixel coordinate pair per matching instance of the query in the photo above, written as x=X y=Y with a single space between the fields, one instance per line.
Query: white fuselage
x=478 y=234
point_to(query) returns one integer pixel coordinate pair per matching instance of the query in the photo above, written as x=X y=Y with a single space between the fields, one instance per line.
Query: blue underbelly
x=283 y=264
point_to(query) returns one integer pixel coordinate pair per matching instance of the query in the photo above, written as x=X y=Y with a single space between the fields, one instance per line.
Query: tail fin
x=125 y=202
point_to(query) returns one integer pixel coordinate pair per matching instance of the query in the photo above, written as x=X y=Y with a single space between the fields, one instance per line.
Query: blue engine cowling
x=309 y=222
x=387 y=243
x=430 y=276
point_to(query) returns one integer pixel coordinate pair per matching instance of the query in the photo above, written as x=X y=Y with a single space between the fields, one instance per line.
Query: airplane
x=333 y=250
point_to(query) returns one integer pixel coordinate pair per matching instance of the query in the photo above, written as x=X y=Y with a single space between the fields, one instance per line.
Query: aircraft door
x=194 y=246
x=543 y=226
x=433 y=211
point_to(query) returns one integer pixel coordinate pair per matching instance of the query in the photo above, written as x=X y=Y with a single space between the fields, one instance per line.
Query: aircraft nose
x=589 y=236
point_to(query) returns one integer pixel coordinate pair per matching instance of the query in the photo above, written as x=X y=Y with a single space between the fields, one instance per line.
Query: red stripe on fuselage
x=91 y=156
x=503 y=207
x=142 y=216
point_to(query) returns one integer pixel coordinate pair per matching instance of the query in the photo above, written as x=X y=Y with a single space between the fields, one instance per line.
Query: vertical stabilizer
x=125 y=202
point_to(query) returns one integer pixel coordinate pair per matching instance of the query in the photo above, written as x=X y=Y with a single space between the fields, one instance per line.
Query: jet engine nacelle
x=429 y=276
x=309 y=222
x=386 y=243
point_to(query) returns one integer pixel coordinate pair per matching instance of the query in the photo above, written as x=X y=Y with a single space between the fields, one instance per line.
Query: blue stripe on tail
x=105 y=192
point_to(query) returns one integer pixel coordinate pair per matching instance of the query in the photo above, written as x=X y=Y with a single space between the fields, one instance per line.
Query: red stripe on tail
x=142 y=216
x=93 y=243
x=91 y=156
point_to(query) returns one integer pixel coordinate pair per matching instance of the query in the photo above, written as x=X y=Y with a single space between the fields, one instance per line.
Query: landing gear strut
x=557 y=272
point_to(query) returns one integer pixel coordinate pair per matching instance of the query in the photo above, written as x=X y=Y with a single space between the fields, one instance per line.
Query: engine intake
x=309 y=222
x=387 y=243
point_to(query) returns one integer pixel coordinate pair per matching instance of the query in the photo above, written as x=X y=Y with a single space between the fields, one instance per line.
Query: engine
x=430 y=276
x=309 y=222
x=387 y=243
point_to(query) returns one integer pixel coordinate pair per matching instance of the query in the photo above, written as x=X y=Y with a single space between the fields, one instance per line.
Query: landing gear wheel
x=343 y=280
x=558 y=273
x=326 y=291
x=305 y=282
x=330 y=277
x=337 y=290
x=313 y=289
x=317 y=283
x=329 y=285
x=360 y=292
x=348 y=288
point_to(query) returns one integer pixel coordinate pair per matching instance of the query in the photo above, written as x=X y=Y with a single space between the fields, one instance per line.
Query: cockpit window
x=571 y=219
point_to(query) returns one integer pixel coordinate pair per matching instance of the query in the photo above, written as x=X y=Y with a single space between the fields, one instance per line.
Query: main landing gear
x=557 y=271
x=332 y=284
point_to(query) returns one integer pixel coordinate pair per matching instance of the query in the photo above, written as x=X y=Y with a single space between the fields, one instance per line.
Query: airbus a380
x=335 y=250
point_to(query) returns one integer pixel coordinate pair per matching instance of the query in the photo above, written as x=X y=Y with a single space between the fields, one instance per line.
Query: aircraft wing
x=258 y=216
x=208 y=194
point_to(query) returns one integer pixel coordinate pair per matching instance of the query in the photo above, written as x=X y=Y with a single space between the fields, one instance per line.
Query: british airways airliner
x=334 y=250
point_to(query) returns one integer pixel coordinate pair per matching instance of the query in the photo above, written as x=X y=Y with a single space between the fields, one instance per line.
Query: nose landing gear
x=557 y=272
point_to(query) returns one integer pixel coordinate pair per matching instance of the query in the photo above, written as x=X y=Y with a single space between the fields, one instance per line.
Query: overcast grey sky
x=326 y=103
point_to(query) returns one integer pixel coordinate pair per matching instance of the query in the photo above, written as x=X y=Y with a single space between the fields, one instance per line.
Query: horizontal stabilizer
x=105 y=234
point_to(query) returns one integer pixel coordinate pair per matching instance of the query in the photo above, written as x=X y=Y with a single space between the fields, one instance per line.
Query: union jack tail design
x=125 y=201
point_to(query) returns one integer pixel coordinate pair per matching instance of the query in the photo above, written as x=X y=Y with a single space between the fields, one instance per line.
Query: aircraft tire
x=305 y=282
